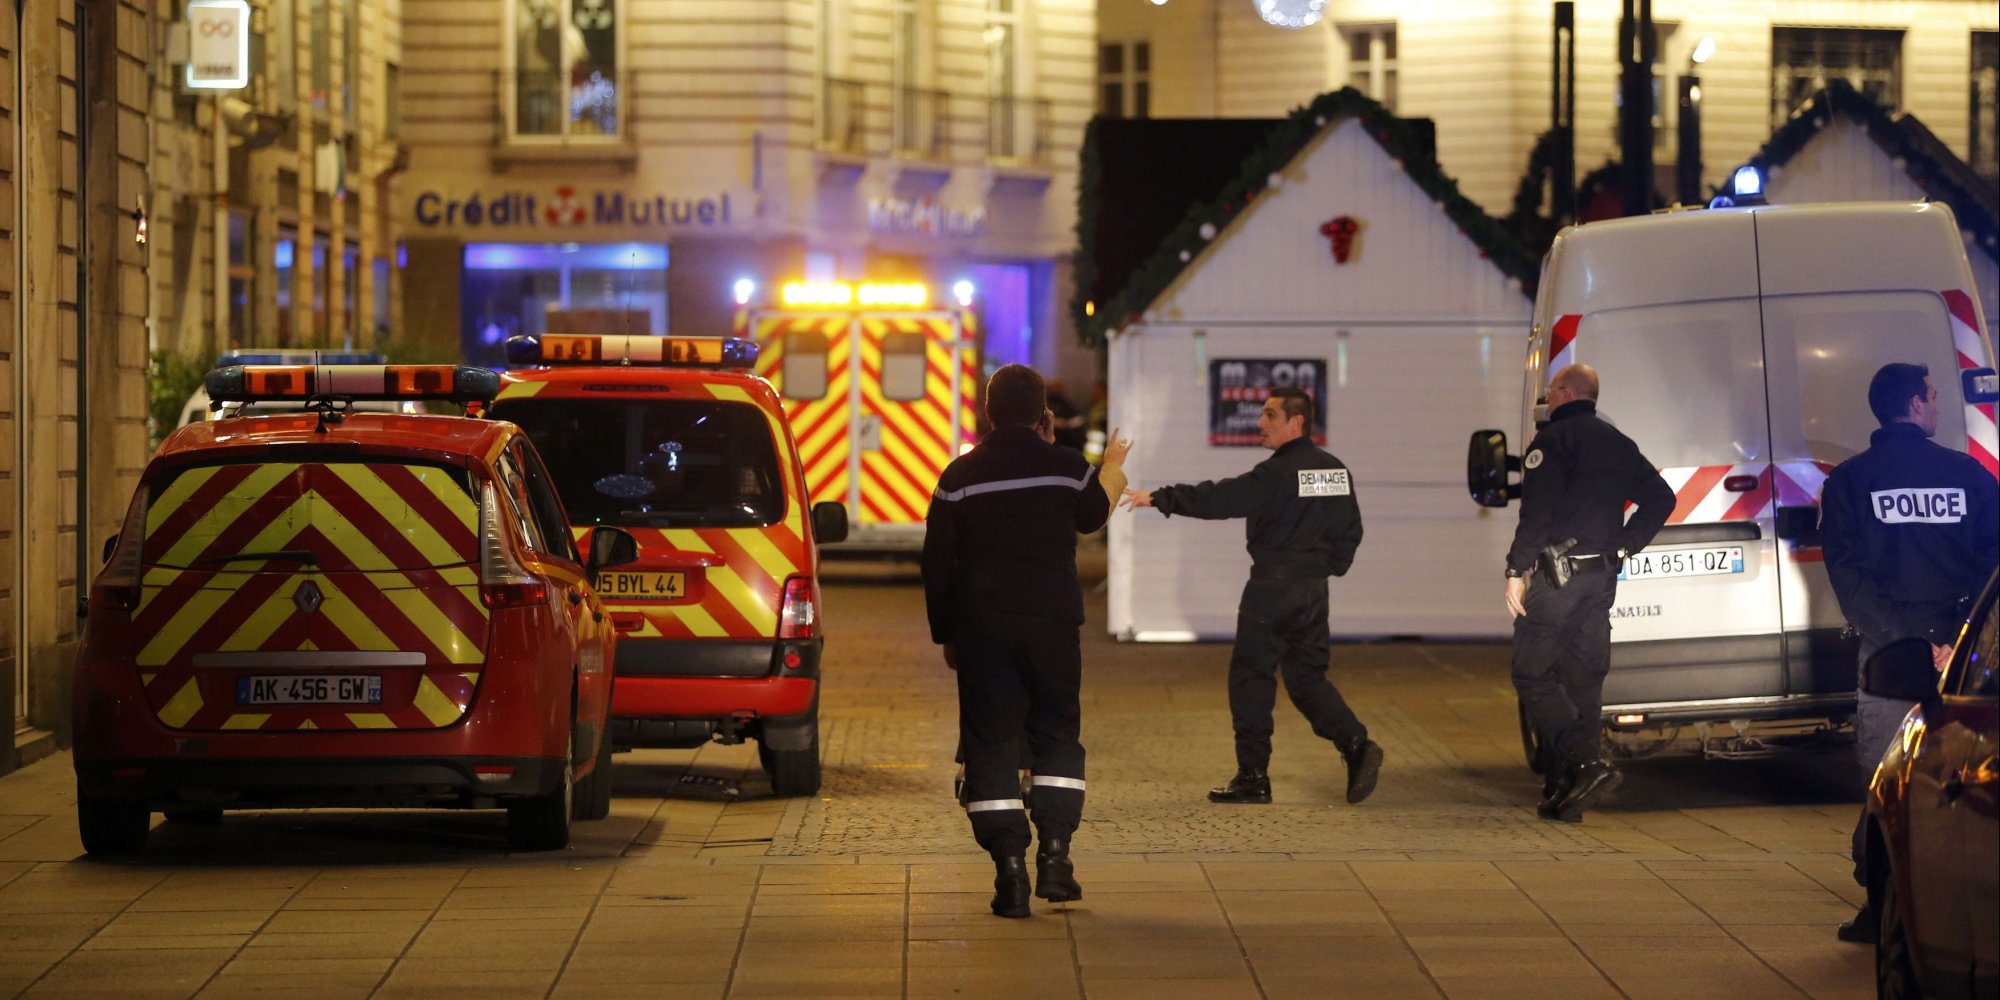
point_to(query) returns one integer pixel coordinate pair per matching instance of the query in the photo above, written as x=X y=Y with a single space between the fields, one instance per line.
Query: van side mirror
x=829 y=522
x=1486 y=467
x=1798 y=524
x=110 y=546
x=611 y=547
x=1981 y=385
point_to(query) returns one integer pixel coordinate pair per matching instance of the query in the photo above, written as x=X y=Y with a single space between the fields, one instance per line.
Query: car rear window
x=659 y=463
x=351 y=515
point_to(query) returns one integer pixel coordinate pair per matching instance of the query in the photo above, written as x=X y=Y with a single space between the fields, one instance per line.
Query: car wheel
x=593 y=794
x=794 y=772
x=541 y=822
x=194 y=815
x=112 y=828
x=1531 y=741
x=1895 y=973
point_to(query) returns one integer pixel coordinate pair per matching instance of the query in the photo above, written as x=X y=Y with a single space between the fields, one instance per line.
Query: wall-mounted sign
x=218 y=44
x=1237 y=390
x=924 y=217
x=568 y=207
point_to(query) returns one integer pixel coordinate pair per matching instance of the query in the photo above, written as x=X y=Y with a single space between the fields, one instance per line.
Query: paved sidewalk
x=1711 y=879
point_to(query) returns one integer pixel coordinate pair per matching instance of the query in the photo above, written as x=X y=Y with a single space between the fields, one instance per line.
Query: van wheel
x=1531 y=741
x=1895 y=974
x=793 y=772
x=541 y=822
x=593 y=794
x=112 y=828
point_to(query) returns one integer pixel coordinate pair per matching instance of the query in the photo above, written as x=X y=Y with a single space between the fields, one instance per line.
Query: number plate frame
x=1681 y=563
x=618 y=585
x=301 y=689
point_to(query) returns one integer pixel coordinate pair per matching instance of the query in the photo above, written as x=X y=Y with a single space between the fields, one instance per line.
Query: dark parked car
x=1934 y=844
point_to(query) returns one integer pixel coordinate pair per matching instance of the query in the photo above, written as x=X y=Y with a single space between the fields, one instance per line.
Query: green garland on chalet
x=1940 y=174
x=1095 y=321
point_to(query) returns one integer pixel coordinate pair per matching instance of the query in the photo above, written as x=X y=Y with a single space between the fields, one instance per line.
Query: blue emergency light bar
x=616 y=349
x=298 y=356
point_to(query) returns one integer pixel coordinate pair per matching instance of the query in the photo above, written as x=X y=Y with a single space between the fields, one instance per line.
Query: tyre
x=1531 y=741
x=593 y=794
x=111 y=828
x=1895 y=972
x=541 y=822
x=794 y=772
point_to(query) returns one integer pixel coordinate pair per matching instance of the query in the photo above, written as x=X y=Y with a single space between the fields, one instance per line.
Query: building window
x=392 y=101
x=841 y=110
x=1804 y=60
x=919 y=110
x=350 y=63
x=1983 y=149
x=242 y=278
x=382 y=298
x=284 y=258
x=319 y=265
x=1016 y=126
x=1371 y=61
x=350 y=293
x=322 y=52
x=566 y=77
x=1124 y=85
x=283 y=48
x=515 y=288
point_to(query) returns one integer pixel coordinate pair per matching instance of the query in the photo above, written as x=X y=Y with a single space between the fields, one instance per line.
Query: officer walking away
x=1304 y=525
x=1000 y=587
x=1578 y=475
x=1909 y=535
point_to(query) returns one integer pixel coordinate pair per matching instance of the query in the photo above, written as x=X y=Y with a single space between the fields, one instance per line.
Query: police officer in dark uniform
x=1909 y=532
x=1578 y=474
x=1303 y=526
x=1000 y=587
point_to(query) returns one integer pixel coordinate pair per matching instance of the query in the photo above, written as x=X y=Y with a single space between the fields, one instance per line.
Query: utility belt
x=1558 y=563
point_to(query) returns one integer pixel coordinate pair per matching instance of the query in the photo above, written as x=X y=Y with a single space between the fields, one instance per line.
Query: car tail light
x=502 y=581
x=117 y=585
x=492 y=772
x=798 y=618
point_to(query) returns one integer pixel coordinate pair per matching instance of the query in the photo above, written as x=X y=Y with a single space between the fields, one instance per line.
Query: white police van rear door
x=1830 y=322
x=1678 y=347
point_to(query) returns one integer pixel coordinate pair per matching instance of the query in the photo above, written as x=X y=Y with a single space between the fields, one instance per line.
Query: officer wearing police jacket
x=1303 y=526
x=1909 y=533
x=1577 y=476
x=1000 y=587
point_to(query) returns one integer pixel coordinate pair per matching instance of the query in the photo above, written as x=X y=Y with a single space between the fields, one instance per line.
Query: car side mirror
x=110 y=546
x=1486 y=467
x=1798 y=524
x=611 y=547
x=829 y=522
x=1981 y=385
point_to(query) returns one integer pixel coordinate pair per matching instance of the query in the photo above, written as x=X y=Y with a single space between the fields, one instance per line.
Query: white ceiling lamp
x=1290 y=13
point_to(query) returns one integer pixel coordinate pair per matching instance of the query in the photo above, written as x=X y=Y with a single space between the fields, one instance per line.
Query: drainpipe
x=219 y=217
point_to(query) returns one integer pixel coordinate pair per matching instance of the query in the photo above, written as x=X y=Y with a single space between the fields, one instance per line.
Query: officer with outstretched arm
x=1303 y=525
x=1577 y=476
x=1000 y=588
x=1909 y=531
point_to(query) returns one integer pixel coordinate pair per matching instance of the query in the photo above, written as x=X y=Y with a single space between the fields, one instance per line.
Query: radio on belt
x=528 y=350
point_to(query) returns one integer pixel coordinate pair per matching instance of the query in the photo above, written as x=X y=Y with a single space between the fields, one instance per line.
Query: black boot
x=1010 y=887
x=1055 y=877
x=1252 y=787
x=1554 y=787
x=1364 y=765
x=1859 y=928
x=1588 y=782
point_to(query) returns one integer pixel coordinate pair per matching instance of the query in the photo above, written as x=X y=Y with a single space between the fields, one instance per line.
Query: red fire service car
x=326 y=608
x=676 y=441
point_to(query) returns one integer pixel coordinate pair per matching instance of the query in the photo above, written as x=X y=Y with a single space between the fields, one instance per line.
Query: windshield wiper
x=288 y=555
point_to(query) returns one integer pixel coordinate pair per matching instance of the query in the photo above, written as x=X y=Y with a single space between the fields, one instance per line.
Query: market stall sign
x=1237 y=389
x=567 y=207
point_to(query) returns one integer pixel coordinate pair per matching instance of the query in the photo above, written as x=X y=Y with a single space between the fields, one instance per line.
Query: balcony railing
x=919 y=118
x=1017 y=128
x=584 y=106
x=842 y=110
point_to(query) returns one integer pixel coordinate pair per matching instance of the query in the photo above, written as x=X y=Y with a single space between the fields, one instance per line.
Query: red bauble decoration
x=1341 y=230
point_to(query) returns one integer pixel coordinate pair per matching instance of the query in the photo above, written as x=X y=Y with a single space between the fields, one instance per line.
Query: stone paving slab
x=1714 y=879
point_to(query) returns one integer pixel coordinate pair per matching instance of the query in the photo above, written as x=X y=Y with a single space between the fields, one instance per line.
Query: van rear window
x=367 y=516
x=656 y=463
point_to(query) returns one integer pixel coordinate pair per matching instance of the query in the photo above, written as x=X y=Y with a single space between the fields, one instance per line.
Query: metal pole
x=1687 y=162
x=1562 y=115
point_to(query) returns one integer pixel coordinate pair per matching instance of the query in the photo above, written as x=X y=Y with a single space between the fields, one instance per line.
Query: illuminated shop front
x=514 y=288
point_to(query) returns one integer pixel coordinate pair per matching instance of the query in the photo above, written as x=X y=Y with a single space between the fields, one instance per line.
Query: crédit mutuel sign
x=567 y=207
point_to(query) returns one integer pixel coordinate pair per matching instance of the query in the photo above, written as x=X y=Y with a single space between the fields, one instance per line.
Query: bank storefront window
x=514 y=288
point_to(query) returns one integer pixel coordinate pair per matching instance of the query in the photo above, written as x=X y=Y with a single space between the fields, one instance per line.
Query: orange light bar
x=616 y=349
x=247 y=383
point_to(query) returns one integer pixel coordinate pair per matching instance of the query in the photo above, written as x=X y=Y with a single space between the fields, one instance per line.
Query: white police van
x=1735 y=346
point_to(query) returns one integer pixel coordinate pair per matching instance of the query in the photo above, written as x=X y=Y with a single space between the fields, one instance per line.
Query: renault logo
x=307 y=598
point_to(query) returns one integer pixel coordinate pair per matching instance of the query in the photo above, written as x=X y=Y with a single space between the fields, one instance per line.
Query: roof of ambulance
x=397 y=431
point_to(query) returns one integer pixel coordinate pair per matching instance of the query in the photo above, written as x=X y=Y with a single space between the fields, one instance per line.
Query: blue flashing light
x=525 y=349
x=739 y=353
x=744 y=289
x=1747 y=182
